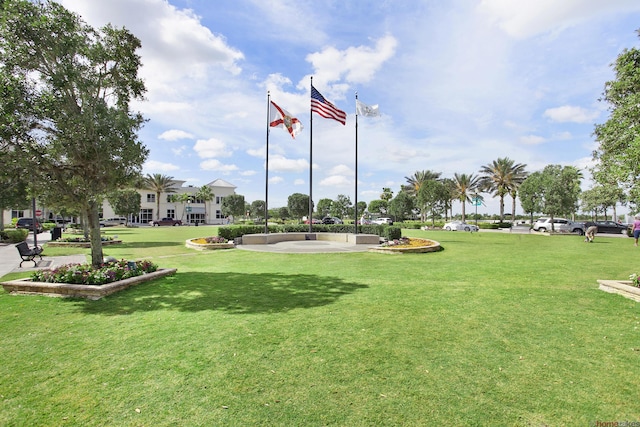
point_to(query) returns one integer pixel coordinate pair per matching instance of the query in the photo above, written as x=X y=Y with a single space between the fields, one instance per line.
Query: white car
x=388 y=221
x=459 y=226
x=113 y=222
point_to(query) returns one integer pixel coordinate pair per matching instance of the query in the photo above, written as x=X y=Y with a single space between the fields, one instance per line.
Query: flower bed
x=83 y=281
x=408 y=245
x=86 y=274
x=209 y=243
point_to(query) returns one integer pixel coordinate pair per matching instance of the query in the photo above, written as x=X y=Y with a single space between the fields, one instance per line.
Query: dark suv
x=27 y=224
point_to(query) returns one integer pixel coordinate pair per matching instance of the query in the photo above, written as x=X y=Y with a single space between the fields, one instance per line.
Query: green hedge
x=234 y=231
x=14 y=236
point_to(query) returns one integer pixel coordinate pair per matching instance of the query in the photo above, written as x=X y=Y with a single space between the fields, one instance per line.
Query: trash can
x=56 y=233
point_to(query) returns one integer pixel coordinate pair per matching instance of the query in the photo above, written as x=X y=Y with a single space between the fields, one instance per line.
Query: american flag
x=326 y=109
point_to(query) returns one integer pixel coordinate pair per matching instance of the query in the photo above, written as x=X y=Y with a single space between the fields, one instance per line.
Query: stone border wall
x=620 y=287
x=92 y=292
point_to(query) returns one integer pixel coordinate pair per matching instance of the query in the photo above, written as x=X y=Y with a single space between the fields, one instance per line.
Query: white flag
x=363 y=109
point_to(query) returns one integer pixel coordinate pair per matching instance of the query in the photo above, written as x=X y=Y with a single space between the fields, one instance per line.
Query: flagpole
x=356 y=206
x=310 y=165
x=266 y=179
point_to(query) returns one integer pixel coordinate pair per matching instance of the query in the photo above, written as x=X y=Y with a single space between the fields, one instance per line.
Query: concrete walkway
x=10 y=258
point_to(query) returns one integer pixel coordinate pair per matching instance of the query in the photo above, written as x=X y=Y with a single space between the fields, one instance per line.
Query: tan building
x=192 y=212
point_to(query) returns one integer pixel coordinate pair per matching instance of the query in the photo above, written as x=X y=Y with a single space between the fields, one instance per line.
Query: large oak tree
x=66 y=90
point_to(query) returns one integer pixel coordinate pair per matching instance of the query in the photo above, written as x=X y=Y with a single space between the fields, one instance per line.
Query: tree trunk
x=93 y=221
x=501 y=208
x=463 y=210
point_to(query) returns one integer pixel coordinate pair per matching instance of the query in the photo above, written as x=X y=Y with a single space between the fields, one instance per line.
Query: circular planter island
x=201 y=244
x=408 y=246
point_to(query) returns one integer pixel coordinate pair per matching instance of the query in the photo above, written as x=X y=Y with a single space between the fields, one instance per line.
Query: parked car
x=387 y=221
x=166 y=221
x=331 y=220
x=27 y=224
x=559 y=224
x=113 y=222
x=315 y=221
x=610 y=227
x=459 y=226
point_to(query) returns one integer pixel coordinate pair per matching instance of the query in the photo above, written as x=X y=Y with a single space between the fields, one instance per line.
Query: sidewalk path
x=10 y=258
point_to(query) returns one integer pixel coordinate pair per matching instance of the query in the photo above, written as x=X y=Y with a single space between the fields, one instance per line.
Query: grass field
x=496 y=329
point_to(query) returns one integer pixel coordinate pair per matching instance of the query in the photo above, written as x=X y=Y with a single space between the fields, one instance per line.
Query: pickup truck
x=166 y=221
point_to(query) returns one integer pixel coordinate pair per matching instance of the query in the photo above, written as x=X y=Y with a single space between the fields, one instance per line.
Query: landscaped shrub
x=410 y=224
x=234 y=231
x=14 y=236
x=392 y=232
x=488 y=226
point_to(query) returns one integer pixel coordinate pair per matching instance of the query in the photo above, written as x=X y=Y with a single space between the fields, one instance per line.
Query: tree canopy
x=618 y=153
x=66 y=89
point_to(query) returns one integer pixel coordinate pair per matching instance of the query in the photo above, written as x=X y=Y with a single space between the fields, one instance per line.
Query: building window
x=195 y=218
x=199 y=201
x=218 y=214
x=146 y=215
x=171 y=213
x=151 y=198
x=17 y=214
x=219 y=200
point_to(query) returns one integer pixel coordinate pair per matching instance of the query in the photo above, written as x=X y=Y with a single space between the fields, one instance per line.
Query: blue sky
x=459 y=84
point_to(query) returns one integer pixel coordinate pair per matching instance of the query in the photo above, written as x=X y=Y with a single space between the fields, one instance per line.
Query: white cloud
x=568 y=113
x=532 y=139
x=299 y=182
x=276 y=180
x=155 y=166
x=526 y=18
x=336 y=181
x=341 y=170
x=179 y=150
x=207 y=148
x=216 y=165
x=175 y=135
x=355 y=65
x=248 y=173
x=282 y=164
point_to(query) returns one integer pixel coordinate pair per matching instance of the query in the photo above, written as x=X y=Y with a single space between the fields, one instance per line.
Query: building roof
x=221 y=183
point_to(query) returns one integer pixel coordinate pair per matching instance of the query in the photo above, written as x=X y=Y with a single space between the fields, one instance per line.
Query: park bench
x=28 y=254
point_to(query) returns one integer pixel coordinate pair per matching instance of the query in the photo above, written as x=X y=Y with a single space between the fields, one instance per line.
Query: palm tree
x=414 y=184
x=464 y=187
x=416 y=181
x=183 y=198
x=160 y=184
x=502 y=177
x=205 y=194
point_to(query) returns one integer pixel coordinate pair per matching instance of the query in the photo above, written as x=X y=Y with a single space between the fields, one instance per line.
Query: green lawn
x=497 y=329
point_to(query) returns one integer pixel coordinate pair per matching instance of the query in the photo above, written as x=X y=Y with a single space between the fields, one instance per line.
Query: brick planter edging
x=620 y=287
x=92 y=292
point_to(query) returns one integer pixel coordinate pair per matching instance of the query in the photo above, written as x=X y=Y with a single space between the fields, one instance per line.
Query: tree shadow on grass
x=234 y=293
x=138 y=245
